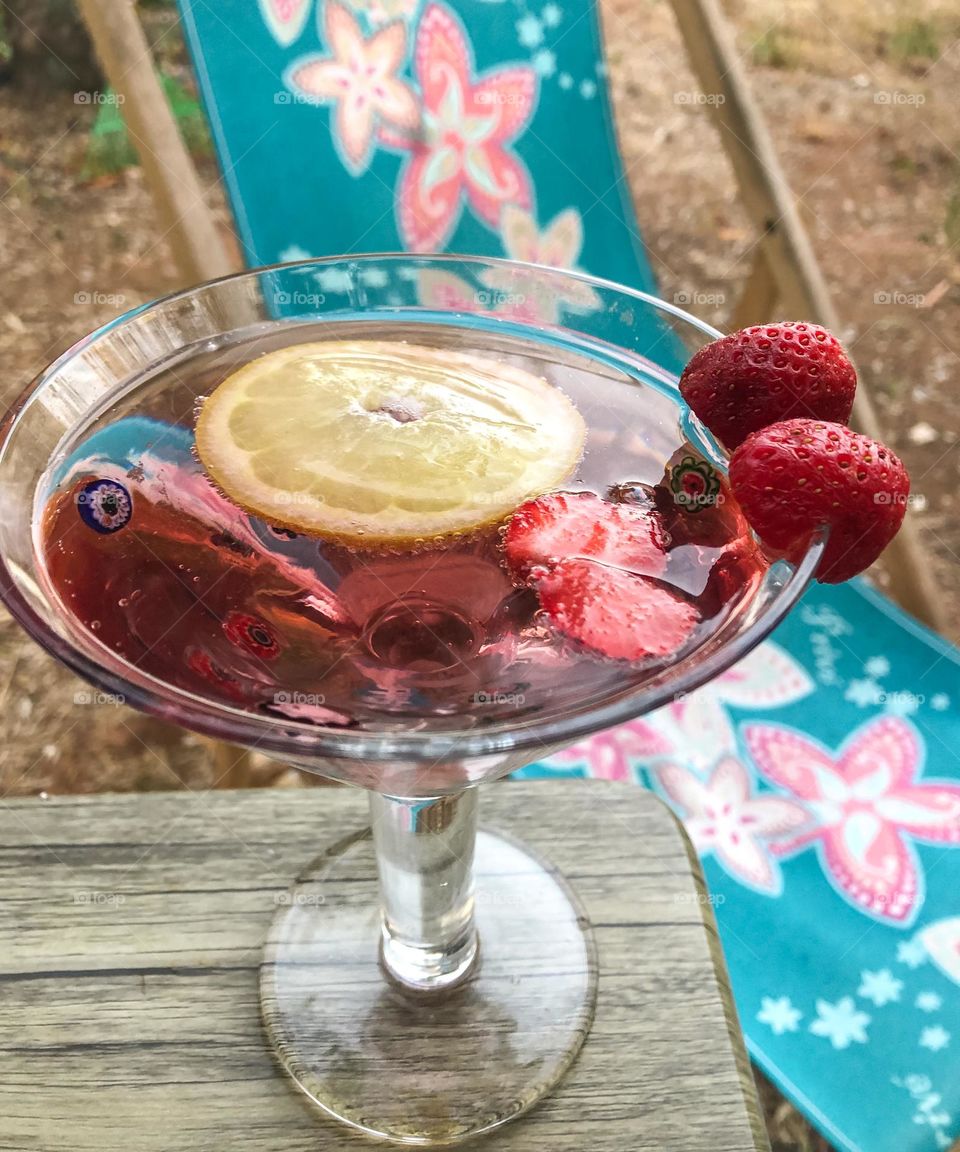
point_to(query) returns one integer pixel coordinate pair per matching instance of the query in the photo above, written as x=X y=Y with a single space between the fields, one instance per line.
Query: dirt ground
x=861 y=100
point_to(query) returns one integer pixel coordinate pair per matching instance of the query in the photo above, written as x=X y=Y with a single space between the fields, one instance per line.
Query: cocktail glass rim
x=271 y=733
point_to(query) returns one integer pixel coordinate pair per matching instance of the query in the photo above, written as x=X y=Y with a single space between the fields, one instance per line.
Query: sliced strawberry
x=799 y=475
x=761 y=375
x=614 y=612
x=552 y=528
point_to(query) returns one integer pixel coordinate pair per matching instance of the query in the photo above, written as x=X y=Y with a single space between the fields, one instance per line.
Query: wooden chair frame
x=784 y=270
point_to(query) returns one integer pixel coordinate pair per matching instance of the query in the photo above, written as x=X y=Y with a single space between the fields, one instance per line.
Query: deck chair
x=818 y=779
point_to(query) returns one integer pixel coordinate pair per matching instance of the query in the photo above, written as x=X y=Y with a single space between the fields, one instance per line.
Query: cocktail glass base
x=431 y=1068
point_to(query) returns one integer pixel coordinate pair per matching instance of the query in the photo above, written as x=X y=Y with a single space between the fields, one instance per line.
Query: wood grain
x=130 y=937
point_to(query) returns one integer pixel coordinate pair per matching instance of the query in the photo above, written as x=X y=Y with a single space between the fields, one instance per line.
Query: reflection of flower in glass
x=105 y=506
x=616 y=753
x=251 y=634
x=529 y=295
x=557 y=246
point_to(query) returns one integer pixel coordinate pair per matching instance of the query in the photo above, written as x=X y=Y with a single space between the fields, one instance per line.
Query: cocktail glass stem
x=425 y=850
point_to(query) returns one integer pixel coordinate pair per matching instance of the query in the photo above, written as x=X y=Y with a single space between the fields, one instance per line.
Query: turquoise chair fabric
x=818 y=779
x=387 y=125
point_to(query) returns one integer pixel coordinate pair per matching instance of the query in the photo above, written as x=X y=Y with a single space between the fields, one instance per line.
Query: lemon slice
x=385 y=443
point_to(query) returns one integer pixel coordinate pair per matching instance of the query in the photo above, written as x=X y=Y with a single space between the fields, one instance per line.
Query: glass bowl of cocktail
x=409 y=523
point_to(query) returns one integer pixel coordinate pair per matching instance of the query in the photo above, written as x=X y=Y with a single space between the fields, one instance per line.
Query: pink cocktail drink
x=148 y=558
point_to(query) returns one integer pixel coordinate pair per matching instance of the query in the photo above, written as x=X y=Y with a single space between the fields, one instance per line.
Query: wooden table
x=130 y=937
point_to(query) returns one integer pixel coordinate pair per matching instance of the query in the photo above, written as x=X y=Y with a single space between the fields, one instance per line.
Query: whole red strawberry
x=799 y=475
x=767 y=373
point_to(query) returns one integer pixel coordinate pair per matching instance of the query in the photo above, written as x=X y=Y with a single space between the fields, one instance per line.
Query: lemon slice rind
x=384 y=443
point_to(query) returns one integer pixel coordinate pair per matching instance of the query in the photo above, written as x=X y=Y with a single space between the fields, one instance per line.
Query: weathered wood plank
x=130 y=938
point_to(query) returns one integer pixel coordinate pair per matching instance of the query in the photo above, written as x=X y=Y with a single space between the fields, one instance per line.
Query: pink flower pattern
x=724 y=818
x=698 y=725
x=557 y=246
x=360 y=78
x=695 y=728
x=616 y=753
x=447 y=292
x=462 y=152
x=286 y=19
x=941 y=940
x=868 y=806
x=380 y=11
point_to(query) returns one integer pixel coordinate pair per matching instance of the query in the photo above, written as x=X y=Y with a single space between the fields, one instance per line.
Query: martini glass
x=423 y=981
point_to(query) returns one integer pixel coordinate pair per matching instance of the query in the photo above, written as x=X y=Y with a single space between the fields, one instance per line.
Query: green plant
x=776 y=48
x=110 y=149
x=914 y=40
x=6 y=49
